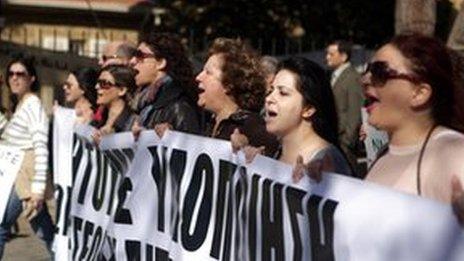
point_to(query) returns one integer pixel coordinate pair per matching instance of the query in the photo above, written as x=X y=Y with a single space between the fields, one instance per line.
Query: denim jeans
x=42 y=224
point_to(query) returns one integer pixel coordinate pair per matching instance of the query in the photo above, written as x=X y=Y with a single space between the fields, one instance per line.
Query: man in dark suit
x=348 y=96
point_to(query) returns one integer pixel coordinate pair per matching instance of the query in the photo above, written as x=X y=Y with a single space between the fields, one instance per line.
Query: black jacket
x=169 y=105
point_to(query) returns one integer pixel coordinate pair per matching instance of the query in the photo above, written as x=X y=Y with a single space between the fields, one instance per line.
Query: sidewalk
x=25 y=246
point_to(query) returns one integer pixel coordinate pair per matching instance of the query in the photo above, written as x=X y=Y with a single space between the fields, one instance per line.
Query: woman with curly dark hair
x=166 y=92
x=232 y=87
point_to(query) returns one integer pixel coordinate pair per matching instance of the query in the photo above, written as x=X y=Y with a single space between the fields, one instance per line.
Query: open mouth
x=200 y=90
x=270 y=114
x=370 y=102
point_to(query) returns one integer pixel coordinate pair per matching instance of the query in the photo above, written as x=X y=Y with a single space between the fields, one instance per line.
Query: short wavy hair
x=242 y=75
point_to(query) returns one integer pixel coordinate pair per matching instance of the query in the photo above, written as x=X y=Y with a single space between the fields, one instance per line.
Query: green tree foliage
x=281 y=25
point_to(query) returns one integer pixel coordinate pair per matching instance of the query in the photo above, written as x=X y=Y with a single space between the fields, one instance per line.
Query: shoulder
x=32 y=103
x=446 y=138
x=32 y=100
x=446 y=143
x=333 y=160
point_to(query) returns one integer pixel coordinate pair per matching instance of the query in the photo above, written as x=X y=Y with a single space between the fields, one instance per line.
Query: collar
x=336 y=74
x=168 y=91
x=158 y=95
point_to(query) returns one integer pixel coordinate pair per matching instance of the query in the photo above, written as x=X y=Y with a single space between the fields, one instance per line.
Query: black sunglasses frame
x=381 y=73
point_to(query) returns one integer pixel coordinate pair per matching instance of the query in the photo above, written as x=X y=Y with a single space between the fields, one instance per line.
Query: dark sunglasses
x=18 y=74
x=105 y=84
x=381 y=73
x=139 y=55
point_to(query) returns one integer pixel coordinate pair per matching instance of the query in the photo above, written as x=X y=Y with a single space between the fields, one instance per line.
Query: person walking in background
x=348 y=97
x=27 y=130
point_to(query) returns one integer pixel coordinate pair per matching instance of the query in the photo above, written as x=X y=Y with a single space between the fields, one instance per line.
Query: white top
x=443 y=158
x=28 y=129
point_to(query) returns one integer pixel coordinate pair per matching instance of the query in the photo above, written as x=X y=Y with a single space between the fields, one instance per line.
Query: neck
x=225 y=112
x=301 y=141
x=82 y=102
x=411 y=132
x=114 y=111
x=158 y=77
x=24 y=95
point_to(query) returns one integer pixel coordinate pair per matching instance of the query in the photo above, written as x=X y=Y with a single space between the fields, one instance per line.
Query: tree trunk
x=415 y=16
x=456 y=37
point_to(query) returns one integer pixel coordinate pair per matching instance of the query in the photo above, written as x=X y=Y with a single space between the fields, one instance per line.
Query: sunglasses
x=381 y=73
x=17 y=74
x=139 y=55
x=105 y=84
x=108 y=57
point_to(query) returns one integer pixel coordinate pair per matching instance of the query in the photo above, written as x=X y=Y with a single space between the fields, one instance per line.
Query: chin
x=271 y=130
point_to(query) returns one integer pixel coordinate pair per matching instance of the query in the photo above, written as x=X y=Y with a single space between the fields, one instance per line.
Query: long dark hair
x=314 y=86
x=124 y=76
x=87 y=79
x=28 y=64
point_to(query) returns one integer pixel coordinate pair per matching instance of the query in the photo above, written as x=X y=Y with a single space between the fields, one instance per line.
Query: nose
x=199 y=76
x=132 y=61
x=365 y=80
x=269 y=98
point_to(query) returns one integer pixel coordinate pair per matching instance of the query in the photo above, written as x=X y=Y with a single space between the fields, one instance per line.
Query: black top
x=168 y=104
x=251 y=125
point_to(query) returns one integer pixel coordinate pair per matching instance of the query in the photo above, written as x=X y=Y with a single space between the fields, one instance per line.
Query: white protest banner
x=225 y=211
x=63 y=125
x=189 y=198
x=10 y=163
x=169 y=210
x=375 y=139
x=341 y=218
x=97 y=177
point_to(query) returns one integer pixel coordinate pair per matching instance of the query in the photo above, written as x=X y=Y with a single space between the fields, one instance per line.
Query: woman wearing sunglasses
x=411 y=95
x=115 y=86
x=27 y=130
x=166 y=91
x=80 y=93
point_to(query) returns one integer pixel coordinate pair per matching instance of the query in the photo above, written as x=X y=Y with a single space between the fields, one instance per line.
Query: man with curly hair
x=232 y=87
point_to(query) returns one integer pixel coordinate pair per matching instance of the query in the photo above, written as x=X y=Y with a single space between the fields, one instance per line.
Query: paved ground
x=25 y=245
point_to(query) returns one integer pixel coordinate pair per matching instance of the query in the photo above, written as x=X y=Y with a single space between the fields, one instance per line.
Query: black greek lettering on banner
x=203 y=172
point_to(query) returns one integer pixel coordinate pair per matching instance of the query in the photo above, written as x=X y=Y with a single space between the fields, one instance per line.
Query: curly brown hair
x=242 y=75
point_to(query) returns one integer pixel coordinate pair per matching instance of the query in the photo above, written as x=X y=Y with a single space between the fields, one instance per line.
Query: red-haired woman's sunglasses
x=380 y=73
